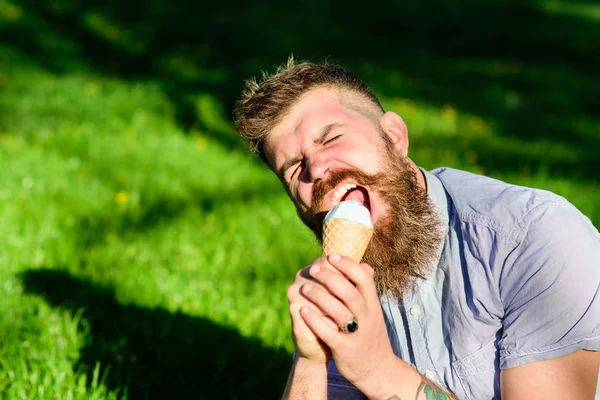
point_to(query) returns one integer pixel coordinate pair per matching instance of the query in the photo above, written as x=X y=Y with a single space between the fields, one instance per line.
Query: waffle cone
x=345 y=237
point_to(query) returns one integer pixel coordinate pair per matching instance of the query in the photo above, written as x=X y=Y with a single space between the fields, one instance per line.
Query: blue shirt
x=517 y=280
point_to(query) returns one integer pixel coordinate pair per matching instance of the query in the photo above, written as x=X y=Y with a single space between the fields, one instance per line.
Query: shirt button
x=414 y=311
x=429 y=374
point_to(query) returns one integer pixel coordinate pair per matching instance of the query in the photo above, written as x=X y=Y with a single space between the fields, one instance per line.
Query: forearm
x=307 y=381
x=401 y=382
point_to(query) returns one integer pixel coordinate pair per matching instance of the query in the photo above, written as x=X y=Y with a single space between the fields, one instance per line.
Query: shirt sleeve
x=338 y=387
x=550 y=287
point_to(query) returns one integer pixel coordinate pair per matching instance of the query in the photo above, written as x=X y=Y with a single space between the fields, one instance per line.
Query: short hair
x=263 y=105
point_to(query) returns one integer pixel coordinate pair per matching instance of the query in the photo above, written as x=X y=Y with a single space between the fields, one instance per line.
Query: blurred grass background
x=145 y=255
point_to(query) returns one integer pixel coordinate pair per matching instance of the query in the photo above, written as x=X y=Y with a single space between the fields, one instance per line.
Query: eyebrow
x=319 y=140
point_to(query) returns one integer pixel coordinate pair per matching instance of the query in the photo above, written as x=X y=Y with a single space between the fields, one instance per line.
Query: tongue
x=359 y=195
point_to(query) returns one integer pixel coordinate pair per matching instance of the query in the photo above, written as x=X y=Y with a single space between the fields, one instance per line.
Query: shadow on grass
x=162 y=355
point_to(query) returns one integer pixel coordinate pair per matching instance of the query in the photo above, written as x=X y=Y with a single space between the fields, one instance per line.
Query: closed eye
x=293 y=169
x=333 y=139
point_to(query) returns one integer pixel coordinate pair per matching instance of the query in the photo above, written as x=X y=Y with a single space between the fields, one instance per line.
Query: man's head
x=263 y=105
x=326 y=136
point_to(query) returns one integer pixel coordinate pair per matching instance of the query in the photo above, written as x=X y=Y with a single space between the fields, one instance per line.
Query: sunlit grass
x=176 y=234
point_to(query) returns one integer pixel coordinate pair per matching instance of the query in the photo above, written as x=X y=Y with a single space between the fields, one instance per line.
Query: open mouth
x=349 y=191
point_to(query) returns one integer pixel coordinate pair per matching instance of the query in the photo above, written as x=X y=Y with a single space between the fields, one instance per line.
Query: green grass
x=133 y=250
x=145 y=254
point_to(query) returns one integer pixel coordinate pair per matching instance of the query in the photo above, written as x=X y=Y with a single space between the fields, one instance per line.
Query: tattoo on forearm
x=434 y=394
x=430 y=391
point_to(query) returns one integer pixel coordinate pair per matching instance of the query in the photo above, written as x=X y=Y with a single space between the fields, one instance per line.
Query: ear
x=393 y=126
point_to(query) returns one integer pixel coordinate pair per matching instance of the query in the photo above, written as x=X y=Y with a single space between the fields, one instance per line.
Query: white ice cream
x=351 y=210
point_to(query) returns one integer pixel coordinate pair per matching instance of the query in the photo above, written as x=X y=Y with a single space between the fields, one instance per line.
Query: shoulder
x=544 y=251
x=504 y=208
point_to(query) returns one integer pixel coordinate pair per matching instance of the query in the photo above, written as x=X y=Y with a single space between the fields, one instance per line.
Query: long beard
x=406 y=242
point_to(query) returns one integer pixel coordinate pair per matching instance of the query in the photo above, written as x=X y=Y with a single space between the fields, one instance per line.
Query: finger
x=308 y=344
x=300 y=330
x=361 y=275
x=340 y=287
x=328 y=304
x=322 y=262
x=303 y=277
x=297 y=299
x=330 y=322
x=329 y=335
x=369 y=269
x=295 y=296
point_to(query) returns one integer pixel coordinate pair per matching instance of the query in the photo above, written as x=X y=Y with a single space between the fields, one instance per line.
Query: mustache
x=322 y=187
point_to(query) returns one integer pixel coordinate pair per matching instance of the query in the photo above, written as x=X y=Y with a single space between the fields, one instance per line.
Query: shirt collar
x=439 y=198
x=437 y=195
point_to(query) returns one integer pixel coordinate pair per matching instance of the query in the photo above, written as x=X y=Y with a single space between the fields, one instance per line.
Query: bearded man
x=470 y=288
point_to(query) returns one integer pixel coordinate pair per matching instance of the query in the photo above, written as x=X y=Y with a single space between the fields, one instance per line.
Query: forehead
x=314 y=110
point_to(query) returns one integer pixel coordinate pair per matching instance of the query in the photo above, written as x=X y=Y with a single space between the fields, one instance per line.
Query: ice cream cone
x=346 y=237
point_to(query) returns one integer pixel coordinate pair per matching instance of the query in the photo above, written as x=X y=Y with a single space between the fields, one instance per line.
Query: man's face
x=319 y=139
x=324 y=152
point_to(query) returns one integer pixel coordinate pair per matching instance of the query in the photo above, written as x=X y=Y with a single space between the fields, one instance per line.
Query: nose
x=317 y=166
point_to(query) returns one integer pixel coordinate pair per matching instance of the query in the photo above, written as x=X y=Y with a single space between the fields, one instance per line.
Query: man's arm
x=404 y=383
x=569 y=377
x=551 y=294
x=307 y=380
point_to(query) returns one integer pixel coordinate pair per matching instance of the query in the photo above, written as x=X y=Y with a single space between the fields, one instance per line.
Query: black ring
x=350 y=326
